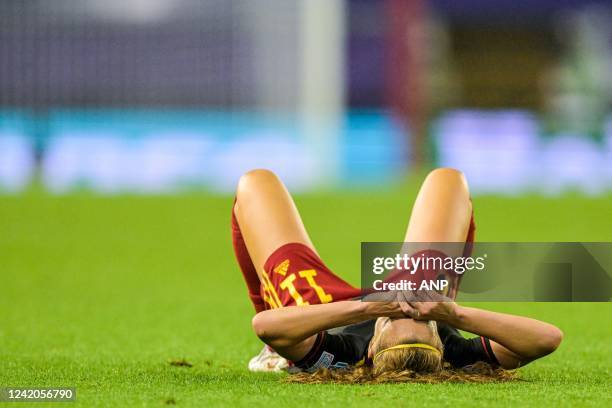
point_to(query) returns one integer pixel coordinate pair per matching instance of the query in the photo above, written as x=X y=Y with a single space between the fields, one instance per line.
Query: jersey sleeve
x=334 y=350
x=460 y=352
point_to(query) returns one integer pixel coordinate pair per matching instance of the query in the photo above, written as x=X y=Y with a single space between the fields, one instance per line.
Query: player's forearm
x=290 y=325
x=528 y=338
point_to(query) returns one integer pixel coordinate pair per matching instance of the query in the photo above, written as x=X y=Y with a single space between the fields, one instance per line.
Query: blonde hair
x=393 y=354
x=477 y=373
x=399 y=360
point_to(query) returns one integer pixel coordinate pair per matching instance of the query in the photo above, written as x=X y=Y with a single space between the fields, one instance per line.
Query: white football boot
x=268 y=361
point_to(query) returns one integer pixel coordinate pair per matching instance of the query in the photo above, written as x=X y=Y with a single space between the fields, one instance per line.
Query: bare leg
x=441 y=213
x=442 y=210
x=268 y=219
x=267 y=216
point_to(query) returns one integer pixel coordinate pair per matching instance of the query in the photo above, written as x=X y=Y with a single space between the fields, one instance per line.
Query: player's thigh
x=267 y=216
x=442 y=210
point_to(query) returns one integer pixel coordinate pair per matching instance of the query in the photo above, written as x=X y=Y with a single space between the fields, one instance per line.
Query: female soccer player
x=331 y=329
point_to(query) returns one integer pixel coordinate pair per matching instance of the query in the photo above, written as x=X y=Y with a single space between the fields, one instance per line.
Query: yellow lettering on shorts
x=287 y=283
x=309 y=275
x=282 y=268
x=270 y=295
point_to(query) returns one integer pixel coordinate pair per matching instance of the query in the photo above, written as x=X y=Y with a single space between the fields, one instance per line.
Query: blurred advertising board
x=156 y=152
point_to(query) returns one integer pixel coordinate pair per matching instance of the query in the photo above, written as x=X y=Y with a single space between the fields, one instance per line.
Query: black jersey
x=348 y=346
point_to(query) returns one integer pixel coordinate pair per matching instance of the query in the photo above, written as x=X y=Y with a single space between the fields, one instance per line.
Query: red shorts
x=295 y=276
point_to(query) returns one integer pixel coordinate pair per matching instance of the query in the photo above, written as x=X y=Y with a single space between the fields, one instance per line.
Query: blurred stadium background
x=163 y=96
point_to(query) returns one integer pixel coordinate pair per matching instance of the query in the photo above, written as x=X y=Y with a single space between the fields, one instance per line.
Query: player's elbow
x=549 y=341
x=260 y=326
x=264 y=328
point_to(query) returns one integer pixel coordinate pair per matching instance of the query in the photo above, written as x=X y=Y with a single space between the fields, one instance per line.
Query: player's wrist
x=381 y=309
x=457 y=315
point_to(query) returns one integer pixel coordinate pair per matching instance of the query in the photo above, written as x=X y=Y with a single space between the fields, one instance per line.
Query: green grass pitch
x=101 y=292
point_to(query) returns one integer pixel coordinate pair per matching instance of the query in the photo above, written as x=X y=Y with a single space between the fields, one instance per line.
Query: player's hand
x=427 y=305
x=387 y=303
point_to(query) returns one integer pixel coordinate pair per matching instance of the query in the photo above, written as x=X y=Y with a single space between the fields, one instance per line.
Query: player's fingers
x=416 y=310
x=407 y=309
x=408 y=296
x=425 y=296
x=430 y=296
x=380 y=297
x=404 y=306
x=421 y=296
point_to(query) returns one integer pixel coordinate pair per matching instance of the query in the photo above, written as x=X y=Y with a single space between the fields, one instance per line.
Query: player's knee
x=447 y=176
x=250 y=181
x=551 y=341
x=445 y=173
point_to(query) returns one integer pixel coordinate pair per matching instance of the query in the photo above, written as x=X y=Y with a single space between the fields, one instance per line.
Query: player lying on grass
x=330 y=329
